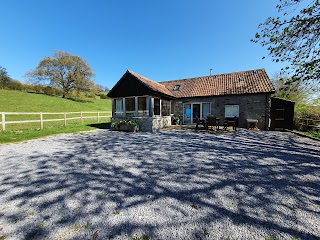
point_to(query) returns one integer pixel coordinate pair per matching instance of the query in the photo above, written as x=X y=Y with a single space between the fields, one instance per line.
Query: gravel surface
x=166 y=185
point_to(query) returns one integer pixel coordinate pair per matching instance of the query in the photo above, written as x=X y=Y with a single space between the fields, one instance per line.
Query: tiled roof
x=157 y=87
x=253 y=81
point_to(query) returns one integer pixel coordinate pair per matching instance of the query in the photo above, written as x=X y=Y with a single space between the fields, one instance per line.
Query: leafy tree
x=15 y=85
x=288 y=88
x=65 y=71
x=4 y=78
x=294 y=37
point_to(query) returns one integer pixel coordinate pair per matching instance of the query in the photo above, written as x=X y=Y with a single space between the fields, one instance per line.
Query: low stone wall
x=152 y=124
x=160 y=122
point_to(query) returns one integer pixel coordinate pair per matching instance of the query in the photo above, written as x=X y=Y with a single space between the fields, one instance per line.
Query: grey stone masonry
x=251 y=106
x=152 y=124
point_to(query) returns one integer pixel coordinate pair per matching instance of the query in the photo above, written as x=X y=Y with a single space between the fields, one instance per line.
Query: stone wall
x=251 y=106
x=152 y=124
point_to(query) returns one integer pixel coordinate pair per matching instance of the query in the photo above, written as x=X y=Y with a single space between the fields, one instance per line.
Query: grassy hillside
x=16 y=101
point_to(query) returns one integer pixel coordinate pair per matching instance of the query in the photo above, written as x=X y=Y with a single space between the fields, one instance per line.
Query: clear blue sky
x=162 y=40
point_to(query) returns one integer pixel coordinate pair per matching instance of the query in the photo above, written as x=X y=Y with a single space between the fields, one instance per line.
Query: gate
x=281 y=114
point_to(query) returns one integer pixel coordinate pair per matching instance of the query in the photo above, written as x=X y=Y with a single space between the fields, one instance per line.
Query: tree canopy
x=296 y=91
x=294 y=37
x=65 y=71
x=4 y=78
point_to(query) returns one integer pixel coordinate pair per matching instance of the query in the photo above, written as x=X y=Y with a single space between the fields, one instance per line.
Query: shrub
x=15 y=85
x=48 y=90
x=176 y=120
x=132 y=124
x=103 y=96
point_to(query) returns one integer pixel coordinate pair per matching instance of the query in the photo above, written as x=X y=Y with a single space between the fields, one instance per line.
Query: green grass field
x=16 y=101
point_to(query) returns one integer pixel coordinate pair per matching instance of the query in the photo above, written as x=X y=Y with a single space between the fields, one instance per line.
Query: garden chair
x=231 y=122
x=212 y=122
x=200 y=122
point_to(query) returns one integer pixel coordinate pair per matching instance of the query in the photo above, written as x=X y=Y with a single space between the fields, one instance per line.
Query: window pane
x=205 y=110
x=195 y=112
x=142 y=106
x=130 y=106
x=231 y=111
x=156 y=106
x=118 y=107
x=165 y=108
x=187 y=113
x=172 y=107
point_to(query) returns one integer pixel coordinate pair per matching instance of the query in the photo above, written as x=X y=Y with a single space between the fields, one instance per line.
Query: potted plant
x=176 y=120
x=129 y=125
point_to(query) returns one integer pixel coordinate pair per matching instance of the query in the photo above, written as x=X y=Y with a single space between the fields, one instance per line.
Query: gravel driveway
x=166 y=185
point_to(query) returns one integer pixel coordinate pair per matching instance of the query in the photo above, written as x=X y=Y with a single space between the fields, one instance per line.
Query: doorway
x=193 y=110
x=196 y=109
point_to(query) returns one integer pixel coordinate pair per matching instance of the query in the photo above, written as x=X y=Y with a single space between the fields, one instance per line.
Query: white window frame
x=136 y=113
x=145 y=112
x=202 y=109
x=159 y=106
x=116 y=112
x=201 y=113
x=132 y=112
x=231 y=111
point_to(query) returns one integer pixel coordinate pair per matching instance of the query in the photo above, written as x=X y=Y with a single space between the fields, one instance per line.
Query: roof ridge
x=216 y=75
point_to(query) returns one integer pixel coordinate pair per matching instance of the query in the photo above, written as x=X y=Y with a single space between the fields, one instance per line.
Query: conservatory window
x=118 y=107
x=130 y=106
x=142 y=106
x=157 y=106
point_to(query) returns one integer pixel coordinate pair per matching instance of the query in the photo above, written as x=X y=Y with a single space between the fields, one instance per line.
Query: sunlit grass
x=313 y=134
x=33 y=133
x=16 y=101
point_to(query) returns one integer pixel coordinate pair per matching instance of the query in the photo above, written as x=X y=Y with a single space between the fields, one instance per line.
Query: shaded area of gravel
x=167 y=185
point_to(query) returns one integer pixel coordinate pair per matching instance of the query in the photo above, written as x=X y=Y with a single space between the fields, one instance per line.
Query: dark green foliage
x=4 y=78
x=294 y=37
x=15 y=85
x=103 y=96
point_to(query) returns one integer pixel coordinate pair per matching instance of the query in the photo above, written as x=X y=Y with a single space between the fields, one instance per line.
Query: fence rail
x=41 y=120
x=307 y=124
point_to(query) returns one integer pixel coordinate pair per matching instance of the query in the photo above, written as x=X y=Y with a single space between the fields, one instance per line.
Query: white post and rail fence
x=41 y=120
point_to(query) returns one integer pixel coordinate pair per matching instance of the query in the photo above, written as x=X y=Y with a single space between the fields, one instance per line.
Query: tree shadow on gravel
x=101 y=125
x=168 y=185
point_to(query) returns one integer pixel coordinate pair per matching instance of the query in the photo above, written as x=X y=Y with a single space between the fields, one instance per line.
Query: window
x=130 y=106
x=176 y=88
x=231 y=111
x=165 y=108
x=142 y=106
x=205 y=110
x=172 y=106
x=157 y=106
x=118 y=107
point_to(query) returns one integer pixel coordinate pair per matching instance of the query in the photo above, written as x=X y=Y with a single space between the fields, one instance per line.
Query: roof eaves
x=145 y=81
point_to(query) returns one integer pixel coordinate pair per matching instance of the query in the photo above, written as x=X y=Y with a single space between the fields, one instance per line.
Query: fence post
x=3 y=121
x=65 y=119
x=81 y=117
x=98 y=117
x=41 y=121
